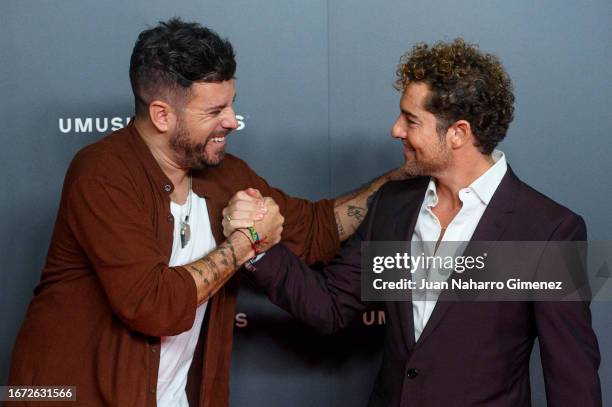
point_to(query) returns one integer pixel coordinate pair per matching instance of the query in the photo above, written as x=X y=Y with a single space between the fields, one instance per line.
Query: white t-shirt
x=176 y=352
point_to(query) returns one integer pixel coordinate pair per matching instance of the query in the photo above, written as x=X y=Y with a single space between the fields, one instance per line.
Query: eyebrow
x=410 y=114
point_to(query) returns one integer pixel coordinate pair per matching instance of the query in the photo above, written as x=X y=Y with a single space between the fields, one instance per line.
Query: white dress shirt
x=474 y=199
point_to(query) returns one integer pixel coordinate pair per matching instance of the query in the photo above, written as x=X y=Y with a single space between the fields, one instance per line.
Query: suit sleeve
x=327 y=301
x=310 y=230
x=568 y=345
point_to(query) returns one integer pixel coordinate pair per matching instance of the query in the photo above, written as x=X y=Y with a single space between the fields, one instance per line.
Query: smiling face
x=203 y=125
x=425 y=147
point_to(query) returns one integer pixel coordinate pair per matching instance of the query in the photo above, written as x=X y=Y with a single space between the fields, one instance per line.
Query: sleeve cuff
x=250 y=265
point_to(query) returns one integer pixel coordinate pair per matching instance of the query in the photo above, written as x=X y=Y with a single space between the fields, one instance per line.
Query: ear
x=162 y=116
x=460 y=134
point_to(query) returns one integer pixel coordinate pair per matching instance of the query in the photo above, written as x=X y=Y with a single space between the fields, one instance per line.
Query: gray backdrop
x=315 y=94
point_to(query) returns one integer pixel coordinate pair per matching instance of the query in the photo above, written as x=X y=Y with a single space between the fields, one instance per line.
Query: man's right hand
x=270 y=227
x=243 y=210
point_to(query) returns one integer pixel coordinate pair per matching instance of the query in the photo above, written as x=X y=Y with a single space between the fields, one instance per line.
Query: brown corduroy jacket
x=107 y=294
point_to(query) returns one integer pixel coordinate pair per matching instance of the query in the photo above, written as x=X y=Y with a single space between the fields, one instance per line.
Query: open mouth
x=220 y=138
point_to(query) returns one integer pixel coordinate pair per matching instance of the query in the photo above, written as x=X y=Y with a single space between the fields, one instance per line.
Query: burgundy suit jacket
x=470 y=353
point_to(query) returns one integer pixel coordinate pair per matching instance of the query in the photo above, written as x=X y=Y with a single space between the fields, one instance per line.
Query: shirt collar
x=484 y=186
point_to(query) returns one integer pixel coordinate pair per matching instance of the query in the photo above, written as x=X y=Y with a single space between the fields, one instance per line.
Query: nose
x=229 y=120
x=397 y=130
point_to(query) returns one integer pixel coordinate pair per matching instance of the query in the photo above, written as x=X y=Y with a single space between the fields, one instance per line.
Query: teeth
x=218 y=139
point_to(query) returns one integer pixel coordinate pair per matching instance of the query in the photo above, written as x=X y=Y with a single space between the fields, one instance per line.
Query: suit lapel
x=492 y=224
x=398 y=222
x=496 y=217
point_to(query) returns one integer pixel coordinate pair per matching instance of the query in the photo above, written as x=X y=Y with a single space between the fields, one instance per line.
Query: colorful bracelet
x=253 y=233
x=254 y=243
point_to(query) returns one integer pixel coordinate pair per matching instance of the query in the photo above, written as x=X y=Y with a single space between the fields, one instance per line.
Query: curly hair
x=168 y=58
x=465 y=84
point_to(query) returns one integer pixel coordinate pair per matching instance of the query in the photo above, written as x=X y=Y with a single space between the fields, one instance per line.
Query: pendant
x=185 y=232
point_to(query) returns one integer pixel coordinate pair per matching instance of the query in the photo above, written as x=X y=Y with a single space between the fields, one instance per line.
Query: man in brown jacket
x=136 y=302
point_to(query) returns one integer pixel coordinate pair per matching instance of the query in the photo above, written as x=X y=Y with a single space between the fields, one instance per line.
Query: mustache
x=407 y=146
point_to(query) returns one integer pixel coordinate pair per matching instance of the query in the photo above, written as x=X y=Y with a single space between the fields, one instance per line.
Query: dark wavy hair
x=168 y=58
x=465 y=84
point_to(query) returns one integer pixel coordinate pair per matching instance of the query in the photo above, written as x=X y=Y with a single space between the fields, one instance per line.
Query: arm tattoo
x=204 y=279
x=212 y=267
x=197 y=270
x=234 y=258
x=201 y=273
x=224 y=259
x=211 y=271
x=223 y=249
x=356 y=212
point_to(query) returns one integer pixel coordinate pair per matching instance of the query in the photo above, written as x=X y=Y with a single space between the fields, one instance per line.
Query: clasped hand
x=249 y=208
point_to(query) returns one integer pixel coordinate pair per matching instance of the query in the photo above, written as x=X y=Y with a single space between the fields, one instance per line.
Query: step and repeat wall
x=315 y=106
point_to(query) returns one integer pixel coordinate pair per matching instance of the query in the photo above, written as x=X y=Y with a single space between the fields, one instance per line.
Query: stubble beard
x=193 y=155
x=437 y=160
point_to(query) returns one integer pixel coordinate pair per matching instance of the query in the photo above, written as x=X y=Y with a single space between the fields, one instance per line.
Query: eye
x=409 y=120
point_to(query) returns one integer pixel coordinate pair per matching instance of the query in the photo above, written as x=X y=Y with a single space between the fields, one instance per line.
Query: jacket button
x=167 y=188
x=170 y=218
x=412 y=373
x=153 y=391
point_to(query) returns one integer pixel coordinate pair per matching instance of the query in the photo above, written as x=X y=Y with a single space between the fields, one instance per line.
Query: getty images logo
x=102 y=125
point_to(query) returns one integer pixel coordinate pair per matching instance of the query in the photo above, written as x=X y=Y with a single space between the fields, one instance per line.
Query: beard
x=194 y=155
x=433 y=161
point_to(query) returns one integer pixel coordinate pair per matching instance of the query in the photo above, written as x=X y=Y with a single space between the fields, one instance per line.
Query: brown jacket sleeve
x=310 y=230
x=113 y=228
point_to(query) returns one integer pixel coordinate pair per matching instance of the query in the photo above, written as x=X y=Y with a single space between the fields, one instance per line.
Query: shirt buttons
x=167 y=187
x=412 y=373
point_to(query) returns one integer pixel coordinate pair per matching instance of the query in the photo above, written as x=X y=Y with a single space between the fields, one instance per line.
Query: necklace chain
x=185 y=228
x=188 y=200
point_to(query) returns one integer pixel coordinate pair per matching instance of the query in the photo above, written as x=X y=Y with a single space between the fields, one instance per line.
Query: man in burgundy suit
x=456 y=106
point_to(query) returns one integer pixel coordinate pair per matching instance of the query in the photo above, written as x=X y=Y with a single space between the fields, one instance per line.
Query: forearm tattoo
x=228 y=247
x=214 y=269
